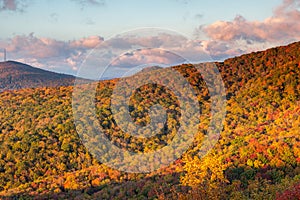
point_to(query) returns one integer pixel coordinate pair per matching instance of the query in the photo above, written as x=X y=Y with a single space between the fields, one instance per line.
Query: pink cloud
x=9 y=5
x=89 y=42
x=12 y=5
x=49 y=53
x=283 y=26
x=29 y=45
x=225 y=39
x=147 y=56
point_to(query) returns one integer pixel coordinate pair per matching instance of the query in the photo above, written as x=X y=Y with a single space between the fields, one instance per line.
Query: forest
x=257 y=155
x=15 y=75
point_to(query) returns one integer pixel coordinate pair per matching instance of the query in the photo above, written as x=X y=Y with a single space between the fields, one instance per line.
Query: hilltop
x=16 y=75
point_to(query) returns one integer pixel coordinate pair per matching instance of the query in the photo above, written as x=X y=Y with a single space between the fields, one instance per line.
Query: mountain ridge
x=17 y=75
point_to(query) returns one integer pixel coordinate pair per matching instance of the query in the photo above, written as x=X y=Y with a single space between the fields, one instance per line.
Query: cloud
x=223 y=39
x=283 y=26
x=12 y=5
x=147 y=57
x=89 y=42
x=232 y=38
x=161 y=40
x=29 y=45
x=198 y=16
x=88 y=21
x=122 y=52
x=53 y=17
x=20 y=5
x=85 y=3
x=9 y=5
x=47 y=53
x=130 y=51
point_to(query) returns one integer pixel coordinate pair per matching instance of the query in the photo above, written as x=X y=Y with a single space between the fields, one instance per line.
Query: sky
x=59 y=35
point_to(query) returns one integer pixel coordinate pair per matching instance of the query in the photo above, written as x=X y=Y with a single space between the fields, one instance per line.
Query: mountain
x=16 y=75
x=256 y=157
x=151 y=68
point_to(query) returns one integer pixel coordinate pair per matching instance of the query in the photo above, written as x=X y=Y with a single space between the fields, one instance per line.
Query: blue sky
x=64 y=19
x=58 y=35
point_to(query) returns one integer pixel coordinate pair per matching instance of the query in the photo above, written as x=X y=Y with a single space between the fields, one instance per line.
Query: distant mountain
x=151 y=68
x=16 y=75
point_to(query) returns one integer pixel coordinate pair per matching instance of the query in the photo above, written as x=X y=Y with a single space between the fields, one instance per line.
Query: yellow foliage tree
x=207 y=171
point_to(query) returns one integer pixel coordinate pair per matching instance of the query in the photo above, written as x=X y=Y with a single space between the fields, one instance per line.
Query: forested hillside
x=16 y=75
x=256 y=157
